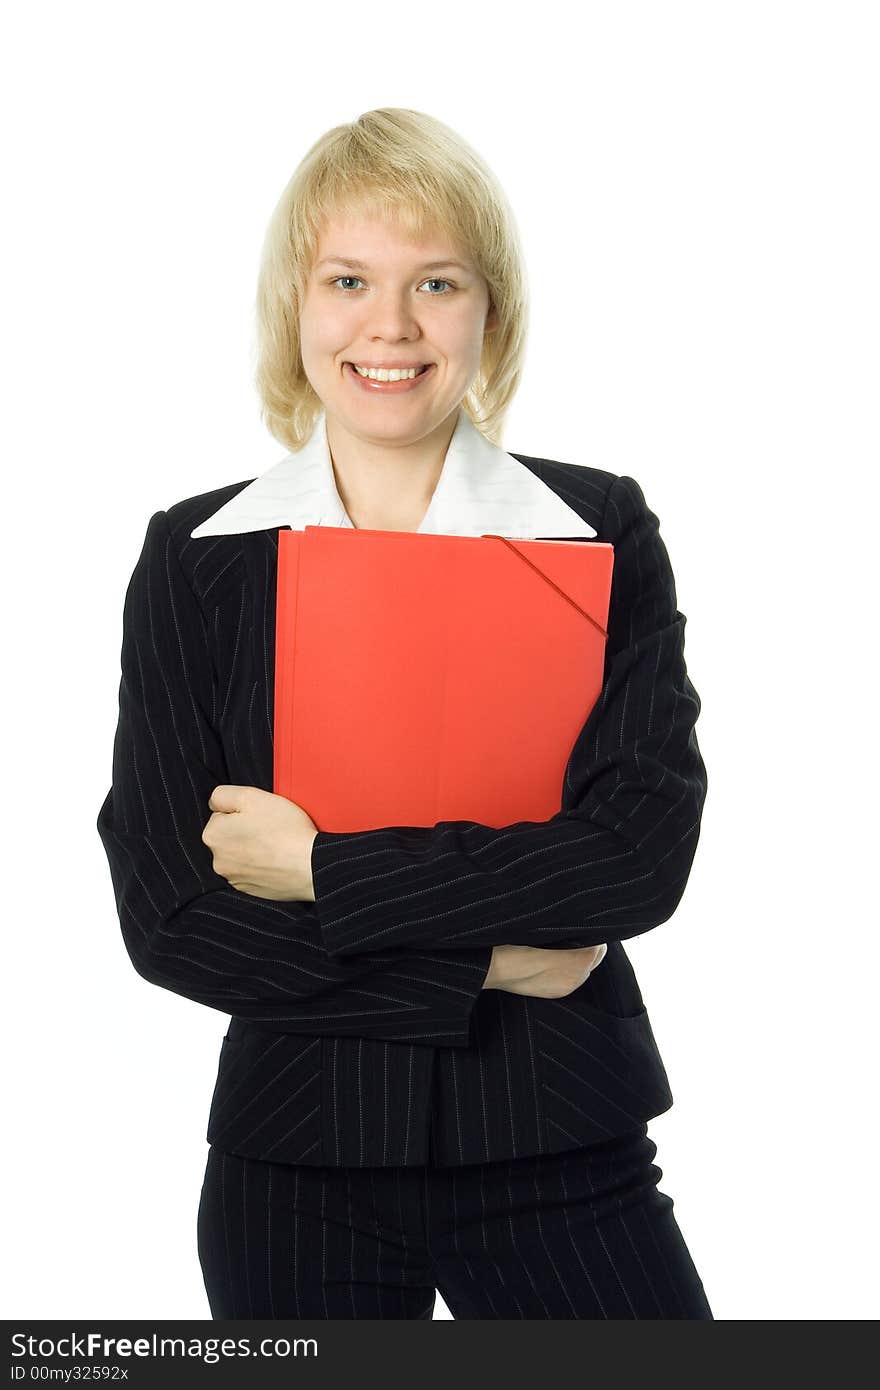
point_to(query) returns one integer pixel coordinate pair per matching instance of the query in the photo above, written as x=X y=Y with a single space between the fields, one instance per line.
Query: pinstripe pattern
x=583 y=1234
x=359 y=1033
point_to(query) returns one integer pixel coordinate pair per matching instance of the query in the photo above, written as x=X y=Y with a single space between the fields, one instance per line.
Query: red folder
x=421 y=677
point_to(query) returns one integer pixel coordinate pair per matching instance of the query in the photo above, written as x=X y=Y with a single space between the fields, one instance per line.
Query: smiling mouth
x=381 y=387
x=419 y=370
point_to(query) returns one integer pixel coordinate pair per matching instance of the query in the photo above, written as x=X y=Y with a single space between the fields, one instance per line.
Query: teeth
x=381 y=374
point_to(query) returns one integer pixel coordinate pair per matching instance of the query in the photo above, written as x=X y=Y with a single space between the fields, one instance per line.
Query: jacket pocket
x=602 y=1073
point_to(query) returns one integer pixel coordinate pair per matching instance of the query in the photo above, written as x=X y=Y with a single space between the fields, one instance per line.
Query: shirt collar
x=481 y=489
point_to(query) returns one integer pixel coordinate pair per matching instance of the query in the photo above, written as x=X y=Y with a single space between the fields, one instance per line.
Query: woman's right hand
x=542 y=973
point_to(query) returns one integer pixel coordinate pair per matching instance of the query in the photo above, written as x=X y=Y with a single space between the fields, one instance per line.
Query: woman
x=439 y=1068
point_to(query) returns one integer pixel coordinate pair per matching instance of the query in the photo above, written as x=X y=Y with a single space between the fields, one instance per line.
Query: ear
x=491 y=322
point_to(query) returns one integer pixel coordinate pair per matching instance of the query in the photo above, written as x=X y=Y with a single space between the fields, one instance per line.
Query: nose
x=391 y=317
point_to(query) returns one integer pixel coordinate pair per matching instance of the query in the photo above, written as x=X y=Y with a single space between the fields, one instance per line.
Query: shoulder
x=211 y=564
x=610 y=502
x=189 y=512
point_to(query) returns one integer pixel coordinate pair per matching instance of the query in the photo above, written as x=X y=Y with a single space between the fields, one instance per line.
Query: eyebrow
x=362 y=265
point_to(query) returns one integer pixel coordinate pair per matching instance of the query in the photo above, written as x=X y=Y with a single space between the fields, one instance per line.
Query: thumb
x=224 y=798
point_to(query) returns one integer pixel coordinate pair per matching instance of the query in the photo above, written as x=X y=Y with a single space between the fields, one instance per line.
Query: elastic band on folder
x=489 y=535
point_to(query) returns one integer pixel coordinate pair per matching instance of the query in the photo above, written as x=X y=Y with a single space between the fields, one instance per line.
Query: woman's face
x=404 y=303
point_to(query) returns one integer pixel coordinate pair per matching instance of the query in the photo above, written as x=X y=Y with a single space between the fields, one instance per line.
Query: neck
x=388 y=486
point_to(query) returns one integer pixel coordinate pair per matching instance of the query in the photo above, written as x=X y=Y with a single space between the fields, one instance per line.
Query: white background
x=696 y=189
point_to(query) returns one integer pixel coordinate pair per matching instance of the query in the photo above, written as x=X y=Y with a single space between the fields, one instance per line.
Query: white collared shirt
x=481 y=490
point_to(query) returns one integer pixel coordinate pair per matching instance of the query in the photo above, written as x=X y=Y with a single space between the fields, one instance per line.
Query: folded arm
x=184 y=927
x=614 y=861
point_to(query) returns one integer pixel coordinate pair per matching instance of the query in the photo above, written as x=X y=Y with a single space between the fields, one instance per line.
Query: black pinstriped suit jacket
x=359 y=1033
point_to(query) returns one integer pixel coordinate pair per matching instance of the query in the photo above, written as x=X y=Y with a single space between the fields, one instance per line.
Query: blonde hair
x=413 y=170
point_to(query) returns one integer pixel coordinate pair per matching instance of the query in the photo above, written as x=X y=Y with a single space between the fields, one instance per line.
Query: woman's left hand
x=261 y=843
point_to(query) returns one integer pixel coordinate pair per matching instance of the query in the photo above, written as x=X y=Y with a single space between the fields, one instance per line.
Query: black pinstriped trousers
x=580 y=1234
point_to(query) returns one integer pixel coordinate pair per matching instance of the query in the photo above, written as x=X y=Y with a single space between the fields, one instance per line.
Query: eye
x=432 y=281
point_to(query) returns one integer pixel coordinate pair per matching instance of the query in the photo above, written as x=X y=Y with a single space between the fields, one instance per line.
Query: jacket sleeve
x=613 y=862
x=184 y=926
